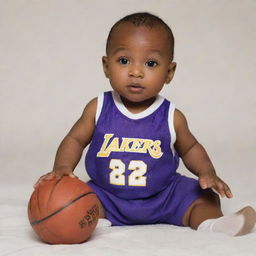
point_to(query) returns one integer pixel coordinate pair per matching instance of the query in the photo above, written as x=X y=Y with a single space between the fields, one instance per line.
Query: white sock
x=102 y=222
x=240 y=223
x=230 y=225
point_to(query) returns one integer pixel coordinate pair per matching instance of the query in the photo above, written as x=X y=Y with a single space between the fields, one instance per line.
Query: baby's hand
x=216 y=184
x=54 y=175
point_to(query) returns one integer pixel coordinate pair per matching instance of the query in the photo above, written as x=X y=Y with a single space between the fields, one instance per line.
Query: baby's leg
x=205 y=215
x=103 y=222
x=205 y=207
x=236 y=224
x=101 y=211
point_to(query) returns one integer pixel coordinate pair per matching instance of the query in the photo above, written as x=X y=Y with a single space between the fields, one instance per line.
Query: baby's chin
x=137 y=99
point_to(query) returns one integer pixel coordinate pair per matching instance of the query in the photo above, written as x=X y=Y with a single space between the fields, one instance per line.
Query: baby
x=137 y=137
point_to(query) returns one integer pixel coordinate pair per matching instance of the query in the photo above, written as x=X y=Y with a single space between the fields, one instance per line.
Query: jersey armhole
x=99 y=106
x=171 y=127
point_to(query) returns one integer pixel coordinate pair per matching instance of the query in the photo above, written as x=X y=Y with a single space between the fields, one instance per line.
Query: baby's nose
x=136 y=71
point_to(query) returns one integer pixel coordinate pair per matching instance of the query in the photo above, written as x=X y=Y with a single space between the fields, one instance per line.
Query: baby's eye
x=151 y=63
x=123 y=61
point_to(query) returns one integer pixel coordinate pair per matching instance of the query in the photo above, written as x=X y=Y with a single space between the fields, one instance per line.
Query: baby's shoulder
x=92 y=104
x=90 y=109
x=180 y=120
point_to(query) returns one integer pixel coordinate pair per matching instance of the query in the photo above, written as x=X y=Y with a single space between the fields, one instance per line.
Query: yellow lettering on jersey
x=147 y=145
x=135 y=145
x=103 y=152
x=157 y=149
x=153 y=147
x=125 y=145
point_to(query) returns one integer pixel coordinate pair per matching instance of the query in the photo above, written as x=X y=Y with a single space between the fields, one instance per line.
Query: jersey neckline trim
x=121 y=107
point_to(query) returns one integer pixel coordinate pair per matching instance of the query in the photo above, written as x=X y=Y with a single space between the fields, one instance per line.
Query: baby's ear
x=171 y=71
x=105 y=65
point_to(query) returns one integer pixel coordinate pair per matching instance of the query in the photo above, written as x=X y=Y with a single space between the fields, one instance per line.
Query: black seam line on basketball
x=51 y=192
x=63 y=207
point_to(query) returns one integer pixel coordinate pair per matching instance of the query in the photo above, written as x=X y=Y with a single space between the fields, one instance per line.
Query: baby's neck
x=137 y=107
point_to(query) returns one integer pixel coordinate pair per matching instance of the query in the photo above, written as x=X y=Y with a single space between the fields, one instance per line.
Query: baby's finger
x=36 y=184
x=39 y=181
x=228 y=191
x=219 y=189
x=224 y=190
x=215 y=191
x=203 y=184
x=47 y=176
x=72 y=175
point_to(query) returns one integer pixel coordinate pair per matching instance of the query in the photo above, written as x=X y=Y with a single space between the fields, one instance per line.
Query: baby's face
x=138 y=62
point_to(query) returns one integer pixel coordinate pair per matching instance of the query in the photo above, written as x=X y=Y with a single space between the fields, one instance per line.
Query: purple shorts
x=168 y=206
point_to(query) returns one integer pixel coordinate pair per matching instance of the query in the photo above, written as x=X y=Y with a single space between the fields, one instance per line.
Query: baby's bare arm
x=71 y=148
x=195 y=157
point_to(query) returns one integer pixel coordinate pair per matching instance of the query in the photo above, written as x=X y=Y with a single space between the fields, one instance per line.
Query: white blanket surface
x=18 y=238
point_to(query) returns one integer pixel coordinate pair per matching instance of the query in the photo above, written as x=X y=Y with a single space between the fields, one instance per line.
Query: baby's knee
x=209 y=196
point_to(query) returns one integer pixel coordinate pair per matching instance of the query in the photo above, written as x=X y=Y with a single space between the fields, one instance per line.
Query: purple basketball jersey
x=132 y=155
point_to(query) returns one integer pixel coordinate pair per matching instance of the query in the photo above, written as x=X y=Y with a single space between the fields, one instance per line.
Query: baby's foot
x=237 y=224
x=103 y=223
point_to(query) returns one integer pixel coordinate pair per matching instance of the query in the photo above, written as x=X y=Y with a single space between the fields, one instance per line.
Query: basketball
x=64 y=211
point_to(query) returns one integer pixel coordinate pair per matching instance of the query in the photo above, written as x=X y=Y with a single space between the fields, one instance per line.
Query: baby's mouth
x=135 y=88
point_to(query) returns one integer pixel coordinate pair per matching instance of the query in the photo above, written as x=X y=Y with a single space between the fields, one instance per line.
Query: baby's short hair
x=143 y=19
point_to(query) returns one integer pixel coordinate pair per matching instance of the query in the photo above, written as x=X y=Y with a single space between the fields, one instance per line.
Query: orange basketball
x=64 y=211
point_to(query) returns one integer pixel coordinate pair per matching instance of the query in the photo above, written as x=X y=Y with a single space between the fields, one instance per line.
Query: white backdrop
x=50 y=64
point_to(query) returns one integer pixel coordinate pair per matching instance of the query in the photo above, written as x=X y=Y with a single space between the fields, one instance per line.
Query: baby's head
x=139 y=54
x=143 y=19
